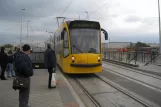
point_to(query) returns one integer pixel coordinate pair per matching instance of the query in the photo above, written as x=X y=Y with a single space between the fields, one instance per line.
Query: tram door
x=65 y=48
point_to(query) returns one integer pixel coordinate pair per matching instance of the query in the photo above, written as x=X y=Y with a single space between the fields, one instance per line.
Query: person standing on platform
x=24 y=69
x=10 y=64
x=50 y=63
x=3 y=63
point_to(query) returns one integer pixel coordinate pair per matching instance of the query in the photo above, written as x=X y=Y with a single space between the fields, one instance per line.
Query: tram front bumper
x=86 y=65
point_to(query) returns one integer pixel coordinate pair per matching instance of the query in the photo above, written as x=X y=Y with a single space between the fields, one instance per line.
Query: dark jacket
x=14 y=56
x=3 y=58
x=23 y=65
x=10 y=58
x=50 y=58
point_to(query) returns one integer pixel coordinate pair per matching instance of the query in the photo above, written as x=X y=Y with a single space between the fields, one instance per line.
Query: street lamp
x=159 y=26
x=13 y=44
x=50 y=34
x=31 y=31
x=27 y=31
x=52 y=38
x=21 y=30
x=78 y=15
x=87 y=15
x=32 y=44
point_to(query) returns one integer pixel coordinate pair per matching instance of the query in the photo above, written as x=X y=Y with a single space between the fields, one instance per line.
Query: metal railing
x=133 y=57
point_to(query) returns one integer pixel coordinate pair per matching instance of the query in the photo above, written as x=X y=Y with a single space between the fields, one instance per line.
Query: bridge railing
x=133 y=57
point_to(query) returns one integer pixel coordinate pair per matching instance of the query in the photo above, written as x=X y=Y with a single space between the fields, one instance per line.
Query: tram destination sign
x=84 y=24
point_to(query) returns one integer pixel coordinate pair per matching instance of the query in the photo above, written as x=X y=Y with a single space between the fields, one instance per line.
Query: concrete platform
x=151 y=67
x=40 y=95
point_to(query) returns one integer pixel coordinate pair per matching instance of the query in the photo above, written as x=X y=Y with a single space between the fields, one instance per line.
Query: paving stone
x=40 y=95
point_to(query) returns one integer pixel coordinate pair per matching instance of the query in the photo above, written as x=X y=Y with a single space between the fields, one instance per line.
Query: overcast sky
x=125 y=20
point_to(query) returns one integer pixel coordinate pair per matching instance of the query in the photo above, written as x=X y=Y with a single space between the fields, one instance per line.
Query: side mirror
x=62 y=35
x=105 y=33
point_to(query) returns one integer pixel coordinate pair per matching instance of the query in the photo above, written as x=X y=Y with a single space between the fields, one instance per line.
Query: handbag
x=21 y=82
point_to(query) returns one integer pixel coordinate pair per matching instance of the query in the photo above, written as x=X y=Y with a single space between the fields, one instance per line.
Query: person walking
x=24 y=69
x=3 y=63
x=50 y=63
x=10 y=64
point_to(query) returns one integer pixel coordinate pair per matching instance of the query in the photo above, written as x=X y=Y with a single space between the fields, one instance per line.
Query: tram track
x=97 y=101
x=137 y=80
x=133 y=68
x=123 y=91
x=93 y=100
x=135 y=75
x=137 y=71
x=87 y=92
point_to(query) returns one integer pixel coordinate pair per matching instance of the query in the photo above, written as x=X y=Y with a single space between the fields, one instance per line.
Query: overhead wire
x=100 y=7
x=66 y=8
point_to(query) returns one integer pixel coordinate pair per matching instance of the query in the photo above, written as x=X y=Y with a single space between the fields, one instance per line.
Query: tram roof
x=71 y=22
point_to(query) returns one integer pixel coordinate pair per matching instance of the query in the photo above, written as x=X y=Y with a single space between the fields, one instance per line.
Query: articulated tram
x=77 y=45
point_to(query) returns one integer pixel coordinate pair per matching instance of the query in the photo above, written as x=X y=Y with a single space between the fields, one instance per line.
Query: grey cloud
x=150 y=21
x=9 y=38
x=133 y=19
x=133 y=37
x=11 y=9
x=147 y=21
x=42 y=15
x=114 y=15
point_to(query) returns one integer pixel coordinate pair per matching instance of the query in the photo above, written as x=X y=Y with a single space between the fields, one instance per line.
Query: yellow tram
x=77 y=45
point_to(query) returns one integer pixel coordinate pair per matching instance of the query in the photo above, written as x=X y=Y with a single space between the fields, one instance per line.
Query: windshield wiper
x=92 y=50
x=78 y=48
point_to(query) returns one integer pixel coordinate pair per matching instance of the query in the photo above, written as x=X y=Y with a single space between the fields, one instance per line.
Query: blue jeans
x=10 y=69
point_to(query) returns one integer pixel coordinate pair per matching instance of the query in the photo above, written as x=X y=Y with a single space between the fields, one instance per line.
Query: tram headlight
x=73 y=58
x=99 y=59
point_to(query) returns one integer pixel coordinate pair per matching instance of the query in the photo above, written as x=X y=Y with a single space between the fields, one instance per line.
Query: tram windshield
x=85 y=41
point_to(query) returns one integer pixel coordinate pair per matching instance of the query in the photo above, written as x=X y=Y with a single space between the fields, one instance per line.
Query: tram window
x=65 y=44
x=65 y=40
x=66 y=48
x=66 y=52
